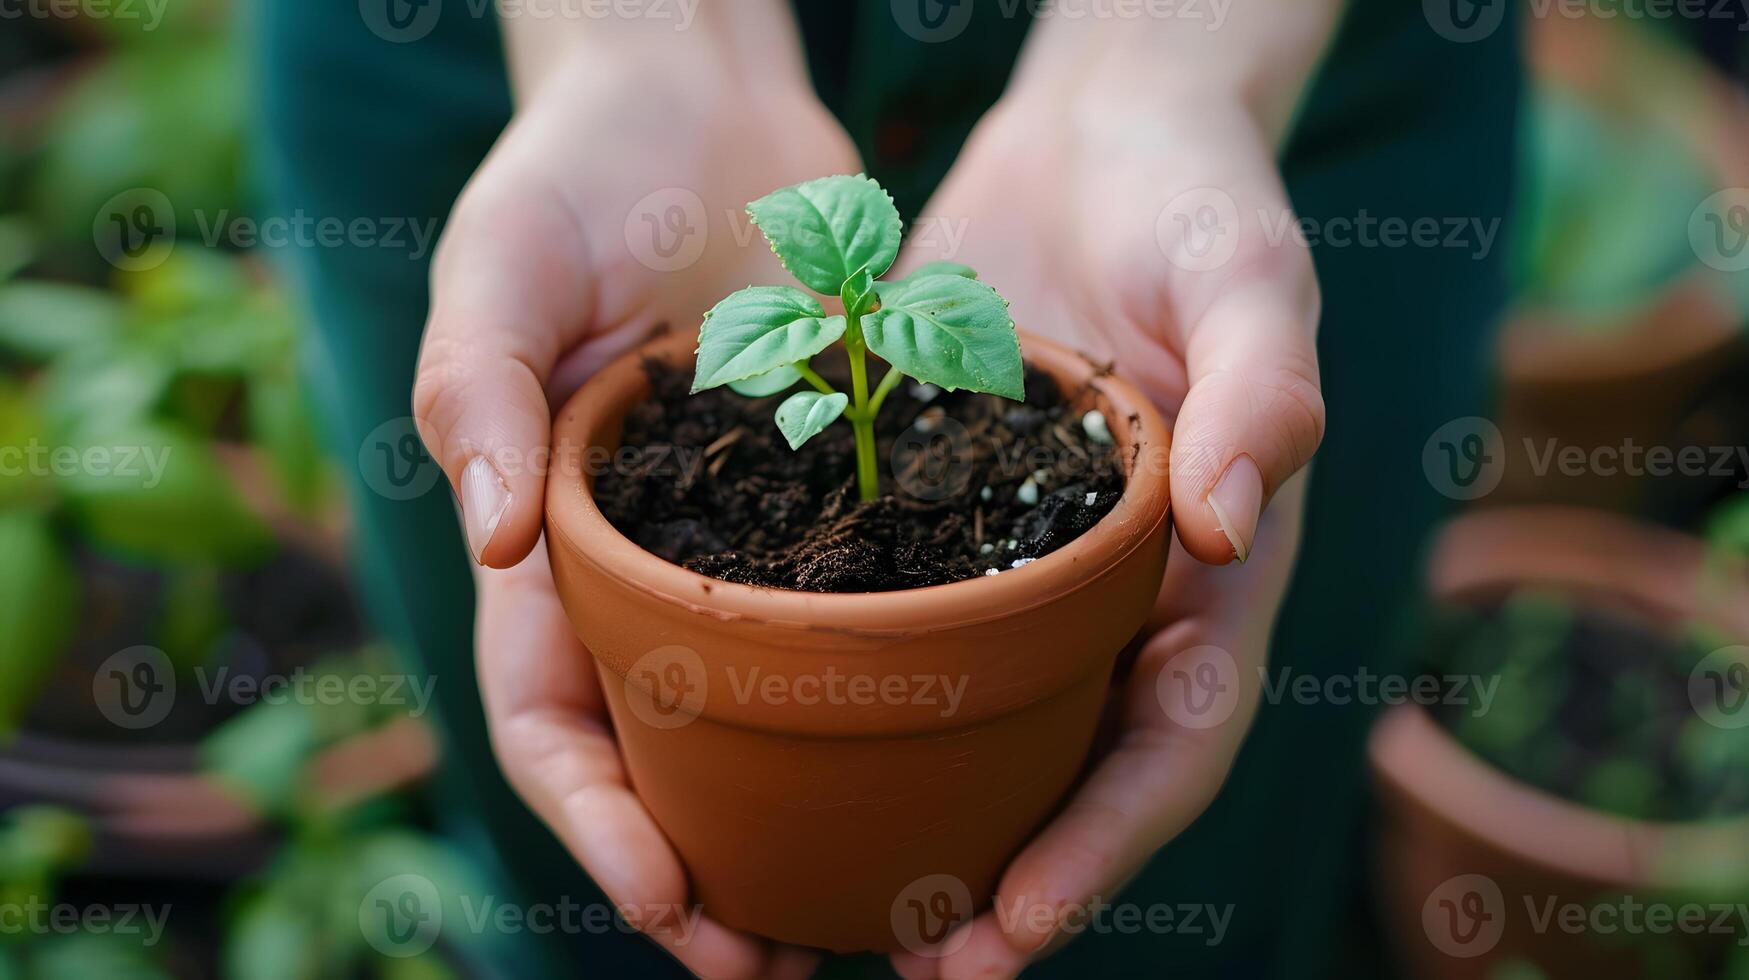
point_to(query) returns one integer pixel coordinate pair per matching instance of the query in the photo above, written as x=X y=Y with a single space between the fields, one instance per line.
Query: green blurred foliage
x=305 y=919
x=1595 y=233
x=185 y=367
x=1727 y=529
x=262 y=753
x=118 y=405
x=1596 y=710
x=39 y=598
x=168 y=116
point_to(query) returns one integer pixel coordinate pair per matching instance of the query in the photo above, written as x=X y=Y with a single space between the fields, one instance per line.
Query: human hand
x=558 y=257
x=1093 y=216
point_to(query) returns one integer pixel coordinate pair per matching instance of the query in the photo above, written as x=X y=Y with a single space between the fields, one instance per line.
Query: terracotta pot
x=1448 y=816
x=1669 y=375
x=869 y=820
x=153 y=807
x=1669 y=370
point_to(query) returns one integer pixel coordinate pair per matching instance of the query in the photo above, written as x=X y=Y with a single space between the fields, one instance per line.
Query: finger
x=1176 y=750
x=1146 y=792
x=508 y=297
x=980 y=949
x=1254 y=412
x=545 y=715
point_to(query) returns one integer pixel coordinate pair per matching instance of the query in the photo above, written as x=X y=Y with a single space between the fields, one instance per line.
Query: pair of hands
x=1091 y=215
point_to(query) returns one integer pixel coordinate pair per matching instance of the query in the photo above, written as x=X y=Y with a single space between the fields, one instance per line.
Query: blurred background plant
x=162 y=487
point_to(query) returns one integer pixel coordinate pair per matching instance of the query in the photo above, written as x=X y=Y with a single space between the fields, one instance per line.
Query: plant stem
x=868 y=479
x=812 y=377
x=888 y=383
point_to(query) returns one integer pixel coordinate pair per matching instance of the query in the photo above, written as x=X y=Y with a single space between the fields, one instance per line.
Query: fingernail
x=485 y=498
x=1237 y=502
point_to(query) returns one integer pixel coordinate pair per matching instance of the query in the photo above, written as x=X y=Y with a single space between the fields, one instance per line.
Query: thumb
x=1254 y=412
x=507 y=299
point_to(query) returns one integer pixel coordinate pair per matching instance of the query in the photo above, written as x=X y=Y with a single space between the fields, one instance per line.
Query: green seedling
x=838 y=236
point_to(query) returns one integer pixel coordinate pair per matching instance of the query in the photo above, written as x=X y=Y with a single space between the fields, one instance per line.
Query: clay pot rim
x=1414 y=757
x=1140 y=512
x=1689 y=319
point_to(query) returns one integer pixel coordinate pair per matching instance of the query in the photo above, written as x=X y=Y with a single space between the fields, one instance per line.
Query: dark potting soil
x=1593 y=704
x=972 y=484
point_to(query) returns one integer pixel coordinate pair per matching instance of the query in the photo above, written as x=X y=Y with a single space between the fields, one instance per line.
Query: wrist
x=1258 y=58
x=1133 y=125
x=757 y=47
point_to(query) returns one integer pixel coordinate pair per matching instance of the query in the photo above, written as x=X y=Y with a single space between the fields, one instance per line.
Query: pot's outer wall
x=1469 y=855
x=811 y=816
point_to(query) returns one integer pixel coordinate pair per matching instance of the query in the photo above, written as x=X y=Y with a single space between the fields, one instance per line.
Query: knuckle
x=437 y=384
x=1297 y=409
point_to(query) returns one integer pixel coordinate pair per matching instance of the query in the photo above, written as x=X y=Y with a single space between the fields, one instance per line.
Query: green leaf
x=154 y=490
x=17 y=246
x=193 y=619
x=42 y=319
x=280 y=423
x=22 y=432
x=426 y=966
x=858 y=294
x=943 y=269
x=893 y=293
x=102 y=386
x=200 y=311
x=170 y=117
x=38 y=842
x=262 y=752
x=39 y=600
x=803 y=415
x=270 y=938
x=83 y=954
x=760 y=329
x=948 y=331
x=1727 y=527
x=769 y=383
x=824 y=230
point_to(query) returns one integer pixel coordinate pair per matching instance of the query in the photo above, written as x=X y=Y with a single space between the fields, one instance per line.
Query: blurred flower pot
x=1481 y=869
x=1674 y=375
x=154 y=810
x=137 y=771
x=1629 y=331
x=874 y=819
